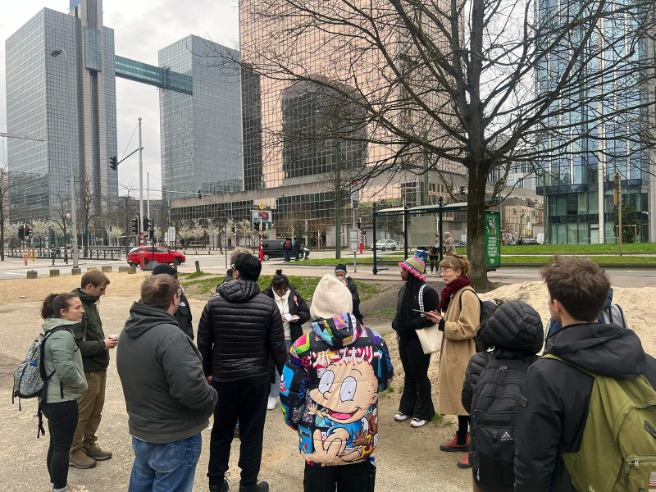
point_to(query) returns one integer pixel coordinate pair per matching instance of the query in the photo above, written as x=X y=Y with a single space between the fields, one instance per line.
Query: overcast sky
x=141 y=28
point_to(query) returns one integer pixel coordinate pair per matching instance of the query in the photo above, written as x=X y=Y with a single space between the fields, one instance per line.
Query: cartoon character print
x=343 y=408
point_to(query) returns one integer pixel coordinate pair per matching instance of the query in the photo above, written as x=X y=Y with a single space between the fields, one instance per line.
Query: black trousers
x=416 y=398
x=244 y=400
x=360 y=477
x=62 y=422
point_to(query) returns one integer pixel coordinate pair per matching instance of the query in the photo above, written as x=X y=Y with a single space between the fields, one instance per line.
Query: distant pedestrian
x=239 y=330
x=294 y=312
x=95 y=347
x=287 y=249
x=458 y=317
x=62 y=359
x=434 y=256
x=342 y=274
x=449 y=244
x=167 y=397
x=330 y=391
x=415 y=296
x=183 y=313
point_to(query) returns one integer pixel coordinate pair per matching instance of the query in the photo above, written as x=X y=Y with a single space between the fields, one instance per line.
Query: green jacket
x=90 y=336
x=62 y=356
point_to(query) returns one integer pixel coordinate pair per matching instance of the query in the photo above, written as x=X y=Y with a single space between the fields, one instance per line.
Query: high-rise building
x=597 y=129
x=201 y=133
x=61 y=93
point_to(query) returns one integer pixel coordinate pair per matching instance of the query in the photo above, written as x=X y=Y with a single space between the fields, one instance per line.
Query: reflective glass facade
x=201 y=134
x=68 y=102
x=589 y=153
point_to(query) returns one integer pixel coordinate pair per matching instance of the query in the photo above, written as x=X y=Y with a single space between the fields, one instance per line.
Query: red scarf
x=451 y=288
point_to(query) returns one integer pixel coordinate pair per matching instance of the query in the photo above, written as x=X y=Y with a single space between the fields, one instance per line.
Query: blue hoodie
x=329 y=390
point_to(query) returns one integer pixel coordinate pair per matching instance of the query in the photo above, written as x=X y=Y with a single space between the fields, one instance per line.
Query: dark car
x=162 y=255
x=273 y=248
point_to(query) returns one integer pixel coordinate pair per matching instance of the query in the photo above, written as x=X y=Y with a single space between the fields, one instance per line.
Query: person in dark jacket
x=233 y=255
x=342 y=274
x=183 y=313
x=330 y=390
x=95 y=347
x=239 y=330
x=514 y=332
x=294 y=312
x=416 y=295
x=167 y=397
x=555 y=395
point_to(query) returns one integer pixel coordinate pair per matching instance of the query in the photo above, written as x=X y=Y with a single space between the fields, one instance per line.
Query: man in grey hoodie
x=168 y=399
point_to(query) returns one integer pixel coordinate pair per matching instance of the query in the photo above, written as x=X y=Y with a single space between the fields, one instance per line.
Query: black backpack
x=494 y=407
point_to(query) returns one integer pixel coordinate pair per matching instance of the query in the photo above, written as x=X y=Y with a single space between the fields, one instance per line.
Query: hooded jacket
x=239 y=329
x=329 y=390
x=63 y=360
x=556 y=397
x=166 y=393
x=516 y=333
x=90 y=336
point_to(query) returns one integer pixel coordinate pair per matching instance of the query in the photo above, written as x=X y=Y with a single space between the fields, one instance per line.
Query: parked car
x=162 y=254
x=273 y=248
x=385 y=244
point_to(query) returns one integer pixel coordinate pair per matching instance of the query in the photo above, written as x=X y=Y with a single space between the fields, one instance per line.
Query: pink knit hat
x=415 y=266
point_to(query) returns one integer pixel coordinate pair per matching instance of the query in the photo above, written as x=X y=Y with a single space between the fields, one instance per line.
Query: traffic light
x=359 y=224
x=135 y=225
x=26 y=230
x=21 y=232
x=113 y=163
x=462 y=190
x=151 y=234
x=146 y=224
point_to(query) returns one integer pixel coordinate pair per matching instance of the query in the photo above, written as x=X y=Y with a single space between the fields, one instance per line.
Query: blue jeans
x=165 y=467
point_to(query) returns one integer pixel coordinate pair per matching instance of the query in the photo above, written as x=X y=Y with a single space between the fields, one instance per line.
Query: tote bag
x=429 y=337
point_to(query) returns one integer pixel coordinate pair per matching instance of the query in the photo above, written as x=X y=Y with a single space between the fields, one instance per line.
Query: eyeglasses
x=445 y=269
x=179 y=292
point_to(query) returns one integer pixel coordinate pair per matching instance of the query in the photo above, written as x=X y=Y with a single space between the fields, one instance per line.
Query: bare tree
x=469 y=88
x=9 y=183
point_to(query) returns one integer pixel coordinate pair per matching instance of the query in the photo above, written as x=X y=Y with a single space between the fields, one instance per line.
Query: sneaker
x=271 y=404
x=464 y=462
x=418 y=422
x=260 y=487
x=400 y=417
x=79 y=459
x=220 y=487
x=94 y=451
x=453 y=445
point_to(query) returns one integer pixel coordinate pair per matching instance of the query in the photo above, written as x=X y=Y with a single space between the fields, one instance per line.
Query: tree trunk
x=476 y=230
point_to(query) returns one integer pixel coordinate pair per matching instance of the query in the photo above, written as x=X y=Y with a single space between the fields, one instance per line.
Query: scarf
x=451 y=288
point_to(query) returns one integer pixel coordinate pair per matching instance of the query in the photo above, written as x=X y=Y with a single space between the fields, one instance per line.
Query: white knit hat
x=330 y=298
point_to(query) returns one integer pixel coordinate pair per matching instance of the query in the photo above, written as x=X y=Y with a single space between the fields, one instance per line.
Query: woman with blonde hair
x=458 y=317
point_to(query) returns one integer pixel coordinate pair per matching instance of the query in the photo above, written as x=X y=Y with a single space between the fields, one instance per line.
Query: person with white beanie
x=329 y=392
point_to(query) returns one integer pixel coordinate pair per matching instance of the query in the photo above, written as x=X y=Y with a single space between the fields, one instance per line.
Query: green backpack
x=618 y=447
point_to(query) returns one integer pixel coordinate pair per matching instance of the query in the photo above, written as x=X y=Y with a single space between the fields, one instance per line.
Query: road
x=216 y=263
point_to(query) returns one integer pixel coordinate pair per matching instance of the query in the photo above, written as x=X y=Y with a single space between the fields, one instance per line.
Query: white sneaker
x=271 y=404
x=400 y=417
x=417 y=422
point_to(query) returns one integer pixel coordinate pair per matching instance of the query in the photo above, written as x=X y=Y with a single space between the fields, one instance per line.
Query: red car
x=161 y=253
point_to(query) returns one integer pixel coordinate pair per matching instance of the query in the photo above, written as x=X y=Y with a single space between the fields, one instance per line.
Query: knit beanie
x=340 y=268
x=331 y=297
x=415 y=266
x=165 y=268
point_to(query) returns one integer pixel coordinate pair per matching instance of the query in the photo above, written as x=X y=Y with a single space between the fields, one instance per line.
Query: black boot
x=260 y=487
x=220 y=487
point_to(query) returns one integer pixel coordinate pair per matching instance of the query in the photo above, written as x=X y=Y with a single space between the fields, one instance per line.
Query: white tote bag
x=429 y=337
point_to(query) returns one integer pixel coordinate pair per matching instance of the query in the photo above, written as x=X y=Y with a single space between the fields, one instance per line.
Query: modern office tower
x=308 y=139
x=201 y=134
x=61 y=94
x=576 y=178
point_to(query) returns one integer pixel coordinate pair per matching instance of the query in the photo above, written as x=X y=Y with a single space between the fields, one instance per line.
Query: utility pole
x=337 y=162
x=617 y=198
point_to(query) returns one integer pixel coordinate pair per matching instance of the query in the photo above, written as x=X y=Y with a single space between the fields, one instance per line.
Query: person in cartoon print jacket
x=329 y=392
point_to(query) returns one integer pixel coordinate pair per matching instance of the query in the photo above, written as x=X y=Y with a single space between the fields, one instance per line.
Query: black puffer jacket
x=515 y=331
x=239 y=330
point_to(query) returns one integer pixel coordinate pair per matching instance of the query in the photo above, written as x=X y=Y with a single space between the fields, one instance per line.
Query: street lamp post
x=71 y=167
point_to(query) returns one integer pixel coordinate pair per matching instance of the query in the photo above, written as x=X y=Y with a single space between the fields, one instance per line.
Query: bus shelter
x=492 y=229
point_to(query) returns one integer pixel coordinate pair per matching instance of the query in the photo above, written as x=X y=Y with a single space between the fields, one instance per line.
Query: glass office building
x=65 y=106
x=201 y=133
x=577 y=178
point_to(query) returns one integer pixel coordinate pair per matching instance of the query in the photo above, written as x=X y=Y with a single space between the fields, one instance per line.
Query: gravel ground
x=407 y=458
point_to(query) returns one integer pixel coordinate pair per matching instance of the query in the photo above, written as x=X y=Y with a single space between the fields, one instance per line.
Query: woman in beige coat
x=458 y=316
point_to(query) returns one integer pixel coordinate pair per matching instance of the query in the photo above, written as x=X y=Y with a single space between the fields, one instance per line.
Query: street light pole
x=71 y=167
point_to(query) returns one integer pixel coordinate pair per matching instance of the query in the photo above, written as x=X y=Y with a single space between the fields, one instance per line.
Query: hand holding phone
x=420 y=311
